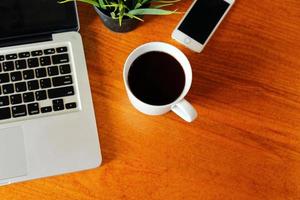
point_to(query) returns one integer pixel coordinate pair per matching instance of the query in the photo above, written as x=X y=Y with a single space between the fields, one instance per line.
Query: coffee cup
x=155 y=84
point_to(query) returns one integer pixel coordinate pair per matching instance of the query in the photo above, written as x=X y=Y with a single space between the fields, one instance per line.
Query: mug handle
x=185 y=110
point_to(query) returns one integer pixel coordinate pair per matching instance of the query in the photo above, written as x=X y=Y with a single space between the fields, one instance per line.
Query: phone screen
x=203 y=18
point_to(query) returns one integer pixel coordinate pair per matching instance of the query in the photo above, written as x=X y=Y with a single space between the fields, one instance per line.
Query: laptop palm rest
x=12 y=153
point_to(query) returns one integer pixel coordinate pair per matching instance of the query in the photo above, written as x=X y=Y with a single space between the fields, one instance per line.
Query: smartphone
x=200 y=22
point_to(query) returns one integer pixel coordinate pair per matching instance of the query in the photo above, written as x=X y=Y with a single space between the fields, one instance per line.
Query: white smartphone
x=200 y=22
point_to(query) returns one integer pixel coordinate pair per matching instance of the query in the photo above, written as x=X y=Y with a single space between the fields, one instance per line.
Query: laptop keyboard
x=34 y=83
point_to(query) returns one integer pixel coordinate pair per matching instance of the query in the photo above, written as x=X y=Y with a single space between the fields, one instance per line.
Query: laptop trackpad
x=12 y=153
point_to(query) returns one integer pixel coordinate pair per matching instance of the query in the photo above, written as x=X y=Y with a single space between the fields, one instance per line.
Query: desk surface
x=245 y=143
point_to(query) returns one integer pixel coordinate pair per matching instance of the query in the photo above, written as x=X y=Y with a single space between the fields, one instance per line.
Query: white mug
x=180 y=106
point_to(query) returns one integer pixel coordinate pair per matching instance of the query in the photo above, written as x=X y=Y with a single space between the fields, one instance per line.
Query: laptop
x=47 y=122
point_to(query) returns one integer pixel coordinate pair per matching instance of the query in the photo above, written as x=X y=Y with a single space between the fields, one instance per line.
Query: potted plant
x=124 y=15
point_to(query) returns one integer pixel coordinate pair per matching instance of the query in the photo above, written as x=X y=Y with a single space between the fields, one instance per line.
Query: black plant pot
x=128 y=24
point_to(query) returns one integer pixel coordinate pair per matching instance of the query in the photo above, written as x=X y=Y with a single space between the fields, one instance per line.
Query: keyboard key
x=2 y=58
x=33 y=108
x=62 y=80
x=11 y=56
x=4 y=78
x=45 y=60
x=15 y=76
x=60 y=92
x=8 y=88
x=53 y=71
x=58 y=104
x=28 y=74
x=28 y=97
x=71 y=105
x=61 y=49
x=33 y=85
x=65 y=69
x=15 y=99
x=0 y=67
x=37 y=53
x=4 y=101
x=21 y=64
x=49 y=51
x=33 y=62
x=19 y=111
x=40 y=95
x=24 y=55
x=60 y=58
x=5 y=113
x=46 y=109
x=20 y=87
x=45 y=83
x=8 y=66
x=40 y=72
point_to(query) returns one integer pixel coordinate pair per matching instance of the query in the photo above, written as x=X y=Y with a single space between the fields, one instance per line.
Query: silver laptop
x=47 y=122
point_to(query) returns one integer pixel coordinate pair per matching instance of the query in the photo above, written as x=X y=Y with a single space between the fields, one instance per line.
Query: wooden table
x=245 y=143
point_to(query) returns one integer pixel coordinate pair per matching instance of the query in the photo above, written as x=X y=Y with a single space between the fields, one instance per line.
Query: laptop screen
x=34 y=17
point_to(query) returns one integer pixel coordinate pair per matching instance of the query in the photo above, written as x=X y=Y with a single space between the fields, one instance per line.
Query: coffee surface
x=156 y=78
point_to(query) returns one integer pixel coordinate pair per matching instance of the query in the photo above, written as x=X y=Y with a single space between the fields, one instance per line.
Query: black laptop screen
x=32 y=17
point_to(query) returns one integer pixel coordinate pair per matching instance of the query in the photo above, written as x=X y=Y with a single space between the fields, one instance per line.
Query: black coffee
x=156 y=78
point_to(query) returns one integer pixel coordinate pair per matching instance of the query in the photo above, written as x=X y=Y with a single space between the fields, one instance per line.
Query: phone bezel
x=189 y=42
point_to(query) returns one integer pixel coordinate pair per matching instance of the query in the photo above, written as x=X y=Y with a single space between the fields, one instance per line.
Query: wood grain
x=245 y=143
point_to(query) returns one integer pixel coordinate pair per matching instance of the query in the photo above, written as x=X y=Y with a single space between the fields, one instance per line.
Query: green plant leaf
x=101 y=3
x=113 y=15
x=138 y=5
x=133 y=16
x=121 y=11
x=92 y=2
x=145 y=1
x=151 y=11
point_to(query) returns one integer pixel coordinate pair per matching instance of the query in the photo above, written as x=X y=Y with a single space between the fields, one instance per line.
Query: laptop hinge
x=25 y=40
